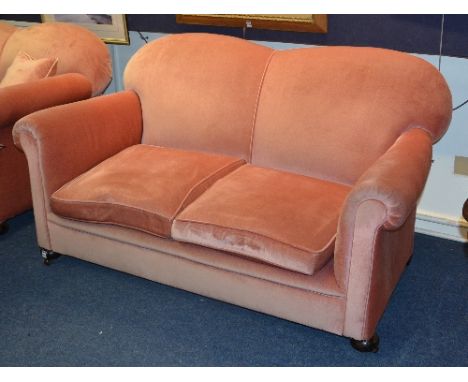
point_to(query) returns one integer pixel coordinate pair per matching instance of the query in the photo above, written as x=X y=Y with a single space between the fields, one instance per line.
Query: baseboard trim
x=441 y=225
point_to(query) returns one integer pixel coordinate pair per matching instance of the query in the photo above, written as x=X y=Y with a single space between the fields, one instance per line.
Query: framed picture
x=110 y=28
x=295 y=23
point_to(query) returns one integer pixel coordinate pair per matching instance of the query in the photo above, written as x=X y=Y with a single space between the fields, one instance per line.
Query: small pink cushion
x=26 y=69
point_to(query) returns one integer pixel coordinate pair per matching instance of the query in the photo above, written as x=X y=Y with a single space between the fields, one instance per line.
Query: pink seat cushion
x=271 y=216
x=142 y=187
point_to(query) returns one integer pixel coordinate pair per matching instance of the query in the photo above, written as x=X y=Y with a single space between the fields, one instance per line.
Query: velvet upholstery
x=77 y=49
x=143 y=187
x=103 y=126
x=395 y=182
x=323 y=281
x=335 y=98
x=23 y=99
x=279 y=218
x=24 y=69
x=217 y=275
x=83 y=68
x=17 y=101
x=15 y=194
x=337 y=143
x=208 y=88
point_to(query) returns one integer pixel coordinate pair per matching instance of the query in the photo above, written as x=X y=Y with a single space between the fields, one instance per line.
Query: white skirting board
x=439 y=225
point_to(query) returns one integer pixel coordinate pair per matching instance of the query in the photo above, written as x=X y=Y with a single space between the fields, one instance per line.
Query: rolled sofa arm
x=375 y=231
x=397 y=179
x=63 y=142
x=73 y=138
x=19 y=100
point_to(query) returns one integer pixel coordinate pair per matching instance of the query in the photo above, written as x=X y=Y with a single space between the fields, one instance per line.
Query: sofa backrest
x=77 y=49
x=198 y=91
x=324 y=112
x=331 y=112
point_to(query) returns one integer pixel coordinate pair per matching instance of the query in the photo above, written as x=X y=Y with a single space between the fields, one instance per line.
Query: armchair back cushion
x=77 y=49
x=26 y=69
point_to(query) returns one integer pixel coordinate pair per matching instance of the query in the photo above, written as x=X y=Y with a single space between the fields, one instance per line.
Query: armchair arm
x=23 y=99
x=376 y=227
x=63 y=142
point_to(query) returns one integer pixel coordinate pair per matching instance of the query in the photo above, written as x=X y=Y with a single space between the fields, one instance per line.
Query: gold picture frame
x=286 y=22
x=111 y=29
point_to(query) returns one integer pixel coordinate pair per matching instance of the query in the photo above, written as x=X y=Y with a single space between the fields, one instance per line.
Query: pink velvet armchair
x=82 y=67
x=282 y=181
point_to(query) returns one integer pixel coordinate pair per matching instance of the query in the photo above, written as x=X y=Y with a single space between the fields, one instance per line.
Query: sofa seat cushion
x=142 y=187
x=271 y=216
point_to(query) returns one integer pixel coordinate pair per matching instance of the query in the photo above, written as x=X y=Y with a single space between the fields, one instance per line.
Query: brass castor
x=4 y=228
x=366 y=346
x=48 y=255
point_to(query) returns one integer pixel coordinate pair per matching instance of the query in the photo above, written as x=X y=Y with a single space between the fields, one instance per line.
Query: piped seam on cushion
x=73 y=201
x=307 y=272
x=420 y=127
x=104 y=162
x=111 y=223
x=150 y=213
x=295 y=246
x=236 y=164
x=198 y=262
x=92 y=202
x=52 y=67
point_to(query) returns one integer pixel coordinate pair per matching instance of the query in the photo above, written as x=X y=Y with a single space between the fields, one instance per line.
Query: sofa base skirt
x=317 y=310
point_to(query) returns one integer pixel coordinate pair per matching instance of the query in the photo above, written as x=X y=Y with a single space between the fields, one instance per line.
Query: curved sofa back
x=78 y=51
x=325 y=112
x=198 y=91
x=331 y=112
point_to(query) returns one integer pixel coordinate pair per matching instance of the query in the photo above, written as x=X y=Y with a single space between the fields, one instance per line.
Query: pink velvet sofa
x=282 y=181
x=81 y=68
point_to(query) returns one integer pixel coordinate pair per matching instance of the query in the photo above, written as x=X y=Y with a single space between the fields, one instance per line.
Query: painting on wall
x=287 y=22
x=111 y=29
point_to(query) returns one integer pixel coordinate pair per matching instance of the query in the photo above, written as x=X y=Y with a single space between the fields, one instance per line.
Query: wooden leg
x=48 y=255
x=366 y=346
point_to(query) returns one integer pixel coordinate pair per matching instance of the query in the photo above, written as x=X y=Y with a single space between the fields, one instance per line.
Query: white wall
x=439 y=210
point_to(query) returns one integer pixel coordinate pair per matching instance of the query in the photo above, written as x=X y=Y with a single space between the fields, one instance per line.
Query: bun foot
x=48 y=255
x=366 y=346
x=4 y=228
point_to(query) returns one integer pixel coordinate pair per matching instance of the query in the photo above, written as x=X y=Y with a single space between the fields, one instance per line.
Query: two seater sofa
x=282 y=181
